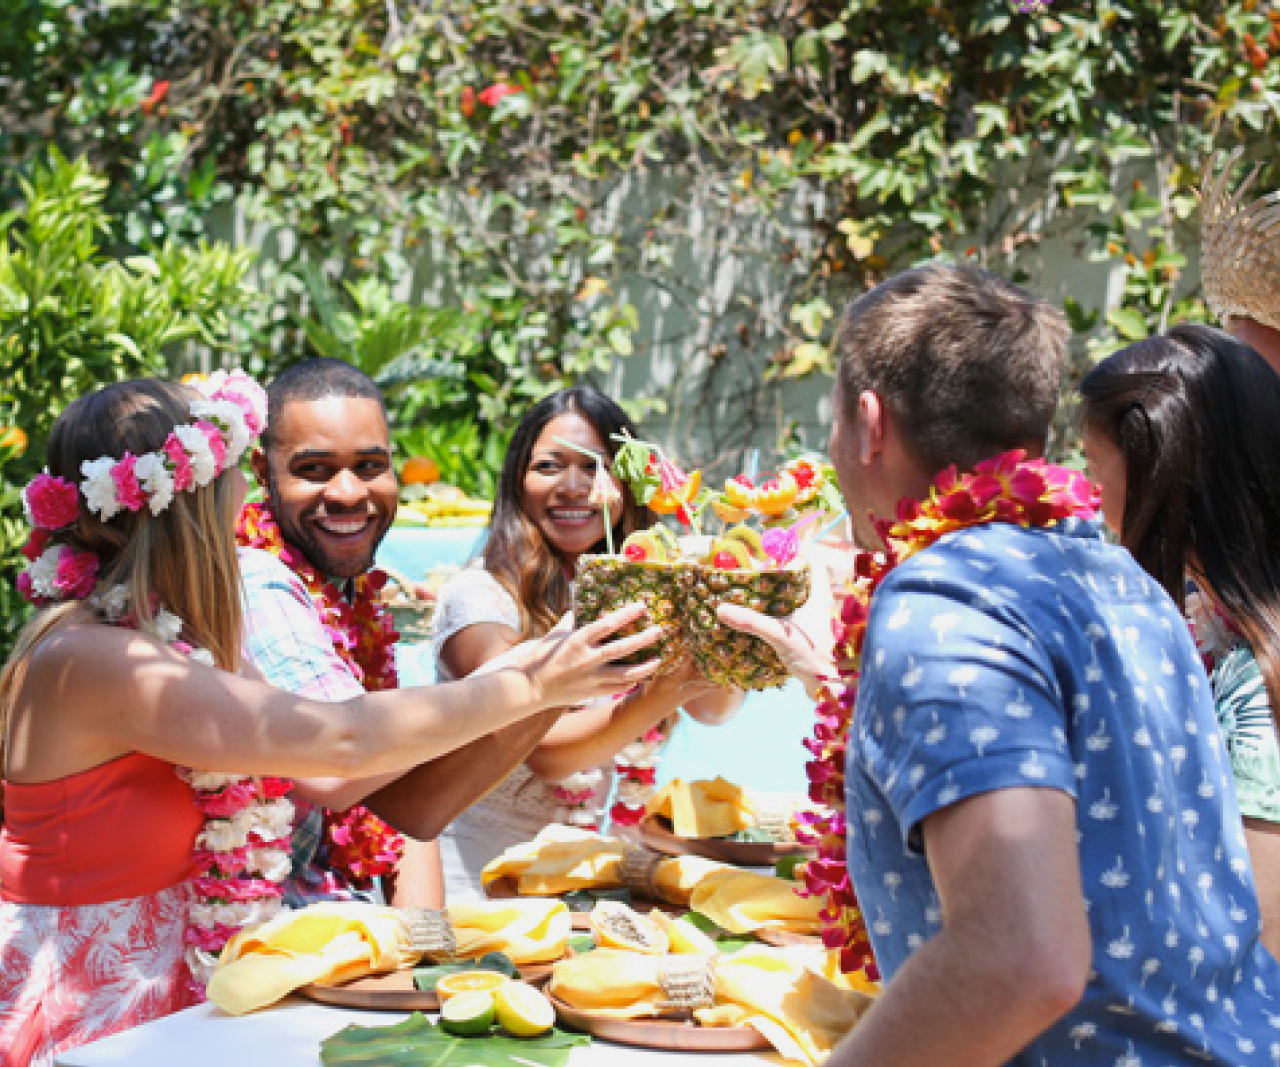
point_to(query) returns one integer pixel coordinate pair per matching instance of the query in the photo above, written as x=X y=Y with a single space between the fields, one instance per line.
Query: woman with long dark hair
x=543 y=521
x=1183 y=433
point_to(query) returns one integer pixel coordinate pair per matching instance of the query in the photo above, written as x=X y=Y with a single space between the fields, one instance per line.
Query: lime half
x=469 y=1014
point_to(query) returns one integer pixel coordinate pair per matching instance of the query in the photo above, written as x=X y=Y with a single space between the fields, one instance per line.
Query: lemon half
x=523 y=1011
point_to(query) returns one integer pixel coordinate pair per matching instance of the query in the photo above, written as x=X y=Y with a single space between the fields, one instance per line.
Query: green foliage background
x=477 y=247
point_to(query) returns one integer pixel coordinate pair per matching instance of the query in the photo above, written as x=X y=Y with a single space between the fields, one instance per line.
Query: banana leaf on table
x=418 y=1042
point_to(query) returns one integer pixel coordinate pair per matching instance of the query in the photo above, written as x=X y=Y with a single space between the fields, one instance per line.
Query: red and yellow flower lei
x=1008 y=488
x=360 y=844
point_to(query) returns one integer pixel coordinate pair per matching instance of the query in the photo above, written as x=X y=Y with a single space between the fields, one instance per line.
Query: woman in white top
x=518 y=589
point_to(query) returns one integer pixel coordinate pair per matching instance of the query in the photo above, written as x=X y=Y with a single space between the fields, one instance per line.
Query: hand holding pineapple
x=571 y=666
x=804 y=641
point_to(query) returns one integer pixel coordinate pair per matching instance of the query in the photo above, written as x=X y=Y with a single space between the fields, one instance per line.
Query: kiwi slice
x=749 y=537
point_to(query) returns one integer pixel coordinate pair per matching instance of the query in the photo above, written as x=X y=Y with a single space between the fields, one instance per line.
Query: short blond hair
x=970 y=364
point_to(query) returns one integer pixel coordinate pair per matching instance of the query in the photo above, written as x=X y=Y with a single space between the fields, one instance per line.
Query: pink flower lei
x=243 y=847
x=1007 y=488
x=364 y=636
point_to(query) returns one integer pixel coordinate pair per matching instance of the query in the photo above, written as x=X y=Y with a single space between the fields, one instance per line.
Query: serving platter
x=395 y=991
x=670 y=1034
x=656 y=833
x=508 y=889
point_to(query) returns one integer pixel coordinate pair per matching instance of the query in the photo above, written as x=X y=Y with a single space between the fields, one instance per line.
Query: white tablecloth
x=289 y=1035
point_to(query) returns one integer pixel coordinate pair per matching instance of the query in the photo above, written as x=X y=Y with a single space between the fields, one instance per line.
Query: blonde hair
x=183 y=560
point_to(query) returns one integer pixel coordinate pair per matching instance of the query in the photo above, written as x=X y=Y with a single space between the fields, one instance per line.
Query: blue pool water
x=760 y=747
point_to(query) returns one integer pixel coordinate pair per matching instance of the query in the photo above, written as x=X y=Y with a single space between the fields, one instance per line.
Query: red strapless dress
x=93 y=905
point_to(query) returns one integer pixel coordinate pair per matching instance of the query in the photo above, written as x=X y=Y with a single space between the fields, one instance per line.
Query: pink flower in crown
x=26 y=587
x=77 y=572
x=36 y=544
x=128 y=490
x=51 y=503
x=217 y=443
x=242 y=391
x=181 y=462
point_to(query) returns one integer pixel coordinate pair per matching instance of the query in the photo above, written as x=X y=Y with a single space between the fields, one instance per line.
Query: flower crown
x=229 y=415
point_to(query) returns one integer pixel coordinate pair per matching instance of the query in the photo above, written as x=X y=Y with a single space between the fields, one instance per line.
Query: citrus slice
x=686 y=939
x=469 y=1014
x=469 y=982
x=523 y=1011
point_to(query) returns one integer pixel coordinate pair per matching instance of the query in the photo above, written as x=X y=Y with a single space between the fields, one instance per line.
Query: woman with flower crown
x=126 y=855
x=552 y=495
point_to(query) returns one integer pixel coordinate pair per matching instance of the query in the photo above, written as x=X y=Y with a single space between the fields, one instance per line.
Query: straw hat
x=1239 y=246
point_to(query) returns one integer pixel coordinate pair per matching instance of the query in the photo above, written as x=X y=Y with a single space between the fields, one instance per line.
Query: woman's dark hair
x=516 y=553
x=1196 y=417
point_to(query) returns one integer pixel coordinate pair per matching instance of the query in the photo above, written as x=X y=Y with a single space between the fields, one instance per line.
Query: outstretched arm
x=1014 y=951
x=115 y=691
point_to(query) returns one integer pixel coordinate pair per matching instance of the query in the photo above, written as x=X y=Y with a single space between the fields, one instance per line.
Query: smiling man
x=313 y=625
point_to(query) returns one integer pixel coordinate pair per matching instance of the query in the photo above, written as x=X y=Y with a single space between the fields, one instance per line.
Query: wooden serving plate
x=508 y=889
x=661 y=1033
x=396 y=991
x=779 y=938
x=656 y=833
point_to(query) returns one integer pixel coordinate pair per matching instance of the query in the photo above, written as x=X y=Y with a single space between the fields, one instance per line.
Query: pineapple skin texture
x=683 y=597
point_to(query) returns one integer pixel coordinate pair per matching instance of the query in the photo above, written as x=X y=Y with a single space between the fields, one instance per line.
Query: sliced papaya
x=616 y=925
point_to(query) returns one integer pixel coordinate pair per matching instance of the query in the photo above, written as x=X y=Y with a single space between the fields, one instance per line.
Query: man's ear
x=870 y=427
x=261 y=470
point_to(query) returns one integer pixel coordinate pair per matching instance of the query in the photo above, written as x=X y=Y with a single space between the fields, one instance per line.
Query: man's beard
x=309 y=544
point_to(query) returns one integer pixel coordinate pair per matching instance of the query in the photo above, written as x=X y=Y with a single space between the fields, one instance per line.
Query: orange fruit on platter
x=419 y=470
x=470 y=982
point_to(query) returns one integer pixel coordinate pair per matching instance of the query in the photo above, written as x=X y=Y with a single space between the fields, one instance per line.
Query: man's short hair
x=969 y=364
x=317 y=379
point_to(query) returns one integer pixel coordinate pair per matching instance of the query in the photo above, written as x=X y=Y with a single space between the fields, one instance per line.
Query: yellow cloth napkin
x=563 y=858
x=714 y=808
x=330 y=941
x=560 y=859
x=339 y=940
x=800 y=1013
x=529 y=931
x=610 y=981
x=744 y=901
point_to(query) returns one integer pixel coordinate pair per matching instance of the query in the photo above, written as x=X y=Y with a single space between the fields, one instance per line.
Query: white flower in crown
x=113 y=602
x=99 y=488
x=202 y=655
x=44 y=573
x=241 y=390
x=230 y=415
x=156 y=481
x=204 y=465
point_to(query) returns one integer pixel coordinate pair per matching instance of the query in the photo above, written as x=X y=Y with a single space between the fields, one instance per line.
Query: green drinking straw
x=604 y=506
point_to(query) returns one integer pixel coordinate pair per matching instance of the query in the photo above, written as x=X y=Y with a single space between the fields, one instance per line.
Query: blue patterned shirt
x=1003 y=658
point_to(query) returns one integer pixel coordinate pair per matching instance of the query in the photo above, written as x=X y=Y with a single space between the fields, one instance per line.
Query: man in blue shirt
x=1043 y=834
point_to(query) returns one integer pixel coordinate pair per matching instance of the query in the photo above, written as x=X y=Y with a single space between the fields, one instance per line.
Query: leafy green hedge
x=456 y=183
